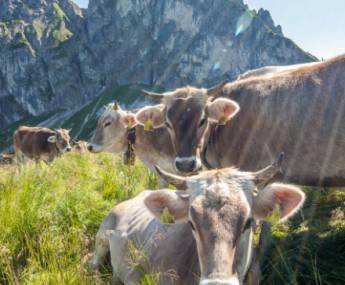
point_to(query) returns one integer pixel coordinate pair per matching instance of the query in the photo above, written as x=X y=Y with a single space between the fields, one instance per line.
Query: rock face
x=55 y=56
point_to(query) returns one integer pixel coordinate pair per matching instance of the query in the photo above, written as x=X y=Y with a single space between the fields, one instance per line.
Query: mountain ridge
x=56 y=56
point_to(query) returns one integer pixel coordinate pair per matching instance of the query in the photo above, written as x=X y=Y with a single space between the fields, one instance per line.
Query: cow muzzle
x=94 y=147
x=187 y=164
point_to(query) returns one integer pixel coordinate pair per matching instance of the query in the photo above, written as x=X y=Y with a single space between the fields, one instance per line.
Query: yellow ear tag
x=148 y=126
x=249 y=279
x=166 y=217
x=222 y=119
x=274 y=217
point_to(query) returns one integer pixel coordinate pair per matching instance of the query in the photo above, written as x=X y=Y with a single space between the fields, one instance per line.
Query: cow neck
x=129 y=155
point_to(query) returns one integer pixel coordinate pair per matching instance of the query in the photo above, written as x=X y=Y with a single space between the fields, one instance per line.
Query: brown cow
x=300 y=112
x=40 y=143
x=80 y=146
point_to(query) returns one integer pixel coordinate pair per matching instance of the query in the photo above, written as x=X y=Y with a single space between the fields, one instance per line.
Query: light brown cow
x=80 y=146
x=112 y=135
x=40 y=143
x=299 y=111
x=211 y=241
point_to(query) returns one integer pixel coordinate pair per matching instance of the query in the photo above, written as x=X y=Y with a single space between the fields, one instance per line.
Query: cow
x=80 y=146
x=6 y=158
x=40 y=143
x=117 y=131
x=300 y=112
x=211 y=241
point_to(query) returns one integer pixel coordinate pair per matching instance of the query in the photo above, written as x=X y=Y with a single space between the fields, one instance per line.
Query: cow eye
x=202 y=122
x=191 y=225
x=248 y=224
x=168 y=125
x=107 y=124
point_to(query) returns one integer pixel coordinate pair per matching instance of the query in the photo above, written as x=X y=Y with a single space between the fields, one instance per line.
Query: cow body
x=300 y=112
x=40 y=143
x=131 y=226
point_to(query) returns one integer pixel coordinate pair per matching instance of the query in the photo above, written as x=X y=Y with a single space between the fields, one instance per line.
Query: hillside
x=49 y=215
x=55 y=58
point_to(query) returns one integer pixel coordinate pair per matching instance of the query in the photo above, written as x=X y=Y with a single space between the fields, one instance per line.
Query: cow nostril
x=69 y=149
x=185 y=164
x=89 y=147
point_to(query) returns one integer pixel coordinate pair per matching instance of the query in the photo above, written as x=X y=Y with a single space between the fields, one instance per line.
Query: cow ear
x=151 y=117
x=222 y=110
x=277 y=202
x=129 y=120
x=52 y=139
x=161 y=202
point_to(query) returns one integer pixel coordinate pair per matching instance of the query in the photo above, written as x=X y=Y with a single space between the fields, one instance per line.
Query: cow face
x=111 y=131
x=187 y=113
x=221 y=207
x=61 y=139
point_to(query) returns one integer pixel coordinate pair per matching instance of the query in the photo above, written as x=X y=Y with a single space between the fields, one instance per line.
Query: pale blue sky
x=317 y=26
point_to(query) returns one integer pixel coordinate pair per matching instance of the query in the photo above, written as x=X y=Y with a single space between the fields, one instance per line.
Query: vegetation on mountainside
x=49 y=215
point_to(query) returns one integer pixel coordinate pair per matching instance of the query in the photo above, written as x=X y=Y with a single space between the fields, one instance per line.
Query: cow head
x=61 y=139
x=222 y=207
x=187 y=113
x=111 y=131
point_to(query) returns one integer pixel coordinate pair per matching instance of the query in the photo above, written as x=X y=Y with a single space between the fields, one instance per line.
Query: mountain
x=56 y=59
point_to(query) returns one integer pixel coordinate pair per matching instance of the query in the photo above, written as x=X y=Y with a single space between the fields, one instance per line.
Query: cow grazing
x=299 y=111
x=40 y=143
x=210 y=243
x=112 y=135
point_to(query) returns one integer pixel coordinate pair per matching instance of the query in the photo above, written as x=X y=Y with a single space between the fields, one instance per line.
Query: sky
x=317 y=26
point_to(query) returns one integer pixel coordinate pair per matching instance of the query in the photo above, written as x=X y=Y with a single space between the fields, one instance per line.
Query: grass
x=49 y=215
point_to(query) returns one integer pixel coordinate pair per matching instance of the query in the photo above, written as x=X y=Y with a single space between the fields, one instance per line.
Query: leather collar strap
x=129 y=155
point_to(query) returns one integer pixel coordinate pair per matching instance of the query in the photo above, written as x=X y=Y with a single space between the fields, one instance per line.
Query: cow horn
x=178 y=181
x=153 y=95
x=262 y=176
x=116 y=106
x=217 y=90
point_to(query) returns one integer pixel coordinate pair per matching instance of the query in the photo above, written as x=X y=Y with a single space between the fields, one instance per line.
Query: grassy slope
x=49 y=216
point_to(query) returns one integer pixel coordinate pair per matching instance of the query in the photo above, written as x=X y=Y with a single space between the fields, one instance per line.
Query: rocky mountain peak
x=55 y=57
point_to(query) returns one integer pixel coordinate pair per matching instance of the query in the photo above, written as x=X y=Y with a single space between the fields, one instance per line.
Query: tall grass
x=49 y=215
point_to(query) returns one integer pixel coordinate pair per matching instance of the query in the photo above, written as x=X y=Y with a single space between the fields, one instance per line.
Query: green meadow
x=49 y=216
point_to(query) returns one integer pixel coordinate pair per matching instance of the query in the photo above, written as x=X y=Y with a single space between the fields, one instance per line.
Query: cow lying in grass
x=212 y=241
x=40 y=143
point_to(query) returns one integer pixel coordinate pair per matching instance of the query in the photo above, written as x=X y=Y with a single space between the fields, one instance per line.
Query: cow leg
x=101 y=250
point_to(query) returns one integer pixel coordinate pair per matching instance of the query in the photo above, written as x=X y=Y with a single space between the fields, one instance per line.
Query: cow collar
x=129 y=155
